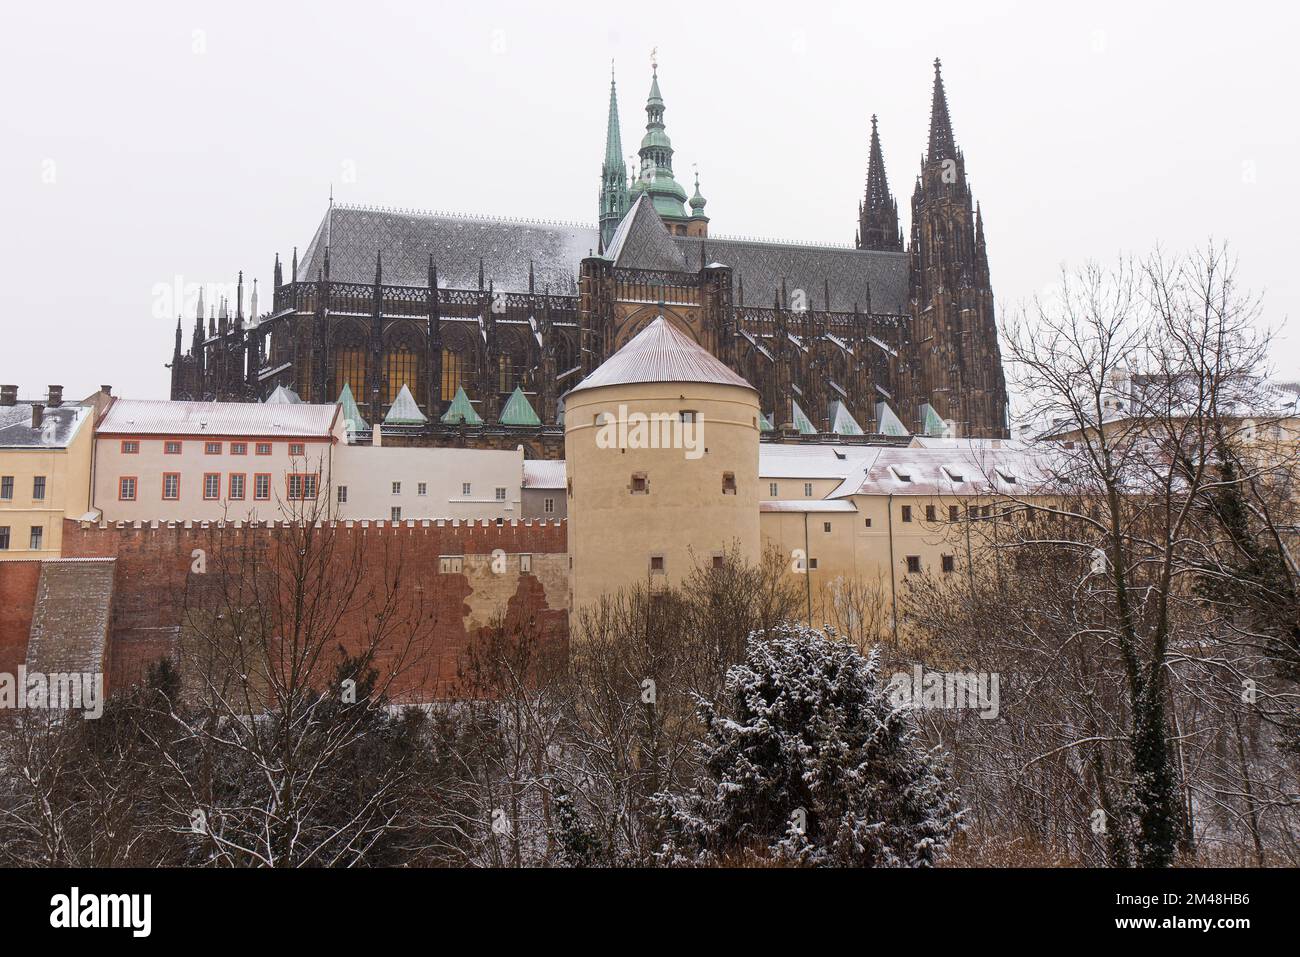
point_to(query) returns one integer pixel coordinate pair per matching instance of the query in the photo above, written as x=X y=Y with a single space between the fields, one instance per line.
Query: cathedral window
x=505 y=373
x=453 y=369
x=350 y=370
x=403 y=370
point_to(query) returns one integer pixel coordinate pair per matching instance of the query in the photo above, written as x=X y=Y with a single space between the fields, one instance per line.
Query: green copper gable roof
x=461 y=410
x=801 y=421
x=764 y=423
x=519 y=411
x=351 y=414
x=404 y=411
x=887 y=422
x=931 y=424
x=842 y=423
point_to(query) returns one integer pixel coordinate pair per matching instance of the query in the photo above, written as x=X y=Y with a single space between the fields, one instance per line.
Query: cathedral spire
x=656 y=175
x=878 y=213
x=942 y=145
x=613 y=171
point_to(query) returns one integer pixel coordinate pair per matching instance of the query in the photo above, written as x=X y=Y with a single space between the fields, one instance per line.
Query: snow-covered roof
x=974 y=470
x=59 y=425
x=544 y=473
x=159 y=417
x=661 y=353
x=813 y=461
x=808 y=505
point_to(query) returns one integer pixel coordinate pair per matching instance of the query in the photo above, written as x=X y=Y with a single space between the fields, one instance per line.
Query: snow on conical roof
x=351 y=414
x=404 y=411
x=661 y=353
x=283 y=396
x=461 y=410
x=842 y=422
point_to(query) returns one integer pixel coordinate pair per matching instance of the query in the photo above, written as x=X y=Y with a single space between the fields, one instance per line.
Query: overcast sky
x=164 y=144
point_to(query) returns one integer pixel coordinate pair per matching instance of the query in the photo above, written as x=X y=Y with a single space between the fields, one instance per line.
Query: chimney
x=56 y=396
x=8 y=395
x=38 y=415
x=106 y=389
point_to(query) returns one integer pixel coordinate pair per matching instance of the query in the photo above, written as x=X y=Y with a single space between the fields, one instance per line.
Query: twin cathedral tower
x=453 y=329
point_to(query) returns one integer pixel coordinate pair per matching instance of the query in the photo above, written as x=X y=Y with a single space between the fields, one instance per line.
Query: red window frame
x=304 y=497
x=177 y=477
x=257 y=478
x=263 y=448
x=230 y=486
x=135 y=487
x=298 y=449
x=238 y=448
x=206 y=496
x=135 y=450
x=207 y=448
x=167 y=447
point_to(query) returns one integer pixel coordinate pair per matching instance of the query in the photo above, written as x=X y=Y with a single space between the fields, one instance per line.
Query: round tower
x=661 y=460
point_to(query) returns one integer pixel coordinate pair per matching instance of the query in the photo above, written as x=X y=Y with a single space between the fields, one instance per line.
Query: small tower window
x=728 y=483
x=640 y=484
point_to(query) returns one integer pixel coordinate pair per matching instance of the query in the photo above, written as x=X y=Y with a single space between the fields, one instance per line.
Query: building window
x=826 y=526
x=452 y=370
x=689 y=416
x=262 y=487
x=526 y=564
x=171 y=447
x=211 y=448
x=422 y=488
x=38 y=488
x=263 y=448
x=812 y=564
x=548 y=505
x=6 y=487
x=297 y=449
x=395 y=513
x=465 y=489
x=656 y=564
x=866 y=523
x=342 y=494
x=913 y=564
x=4 y=538
x=238 y=448
x=954 y=514
x=350 y=368
x=397 y=488
x=640 y=484
x=235 y=487
x=501 y=494
x=772 y=489
x=807 y=489
x=171 y=490
x=728 y=483
x=301 y=486
x=907 y=513
x=505 y=373
x=130 y=447
x=38 y=535
x=451 y=564
x=929 y=513
x=126 y=488
x=948 y=563
x=211 y=486
x=984 y=512
x=403 y=370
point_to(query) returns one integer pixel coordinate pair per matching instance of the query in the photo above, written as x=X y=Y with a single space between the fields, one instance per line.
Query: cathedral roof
x=406 y=239
x=661 y=353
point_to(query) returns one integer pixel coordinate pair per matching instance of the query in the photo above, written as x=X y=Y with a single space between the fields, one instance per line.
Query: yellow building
x=661 y=465
x=45 y=469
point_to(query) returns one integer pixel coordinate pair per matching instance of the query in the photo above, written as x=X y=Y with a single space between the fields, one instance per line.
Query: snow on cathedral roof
x=661 y=353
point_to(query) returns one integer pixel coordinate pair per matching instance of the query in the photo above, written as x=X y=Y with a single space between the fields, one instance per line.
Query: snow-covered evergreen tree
x=811 y=764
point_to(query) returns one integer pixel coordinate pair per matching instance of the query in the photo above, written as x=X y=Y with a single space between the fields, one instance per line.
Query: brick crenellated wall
x=18 y=583
x=457 y=577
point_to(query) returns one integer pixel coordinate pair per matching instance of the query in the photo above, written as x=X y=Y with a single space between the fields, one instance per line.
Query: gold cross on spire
x=654 y=58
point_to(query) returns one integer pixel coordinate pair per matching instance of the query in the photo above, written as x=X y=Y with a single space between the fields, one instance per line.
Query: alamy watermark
x=651 y=430
x=61 y=691
x=919 y=688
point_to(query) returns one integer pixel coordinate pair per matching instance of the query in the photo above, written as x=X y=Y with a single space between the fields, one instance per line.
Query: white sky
x=152 y=143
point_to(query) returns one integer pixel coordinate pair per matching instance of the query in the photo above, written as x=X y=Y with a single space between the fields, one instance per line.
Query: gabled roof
x=544 y=473
x=404 y=410
x=283 y=396
x=59 y=426
x=461 y=410
x=519 y=411
x=661 y=353
x=642 y=241
x=457 y=243
x=974 y=470
x=159 y=417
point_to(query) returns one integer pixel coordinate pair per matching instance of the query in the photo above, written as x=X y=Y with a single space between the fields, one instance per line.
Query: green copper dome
x=656 y=177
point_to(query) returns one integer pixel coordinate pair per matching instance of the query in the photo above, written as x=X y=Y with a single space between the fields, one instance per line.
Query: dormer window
x=901 y=472
x=953 y=475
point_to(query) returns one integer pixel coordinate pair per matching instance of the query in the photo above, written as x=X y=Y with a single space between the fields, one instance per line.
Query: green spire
x=351 y=414
x=519 y=411
x=697 y=201
x=656 y=178
x=614 y=201
x=460 y=410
